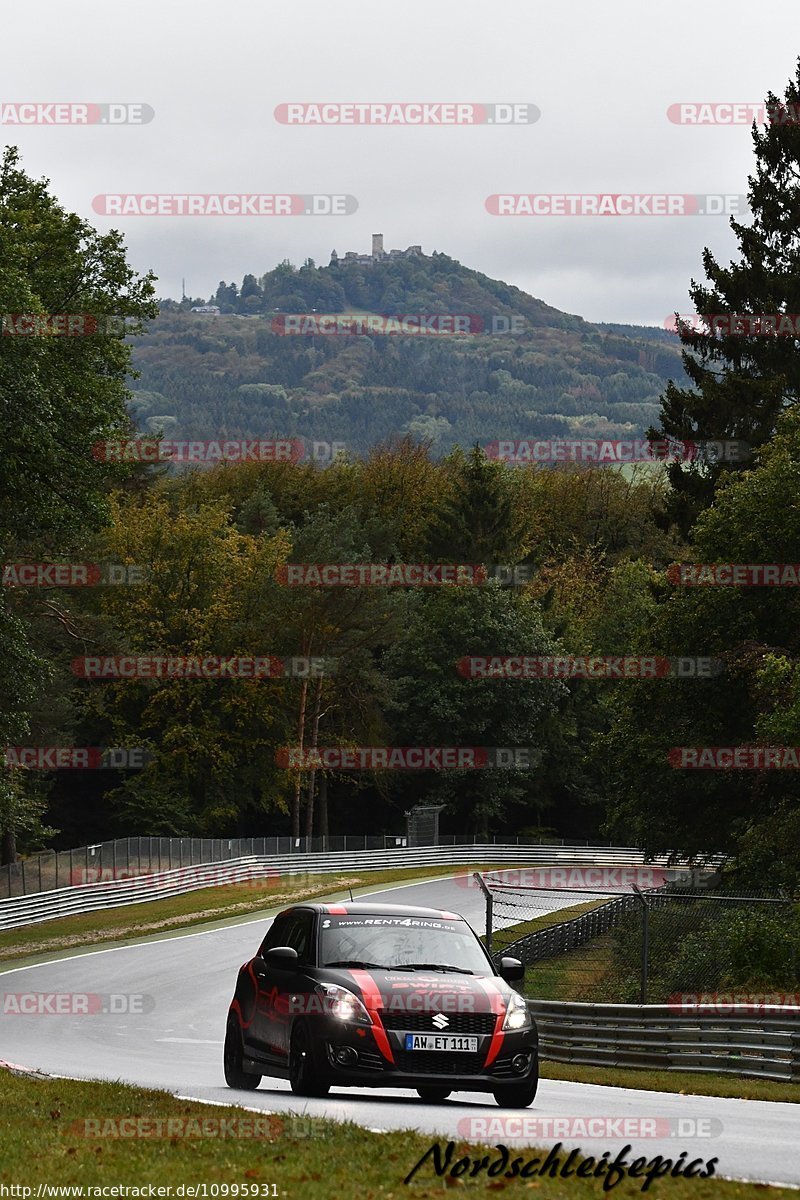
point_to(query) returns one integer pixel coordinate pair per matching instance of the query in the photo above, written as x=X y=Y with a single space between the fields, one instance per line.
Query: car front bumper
x=462 y=1070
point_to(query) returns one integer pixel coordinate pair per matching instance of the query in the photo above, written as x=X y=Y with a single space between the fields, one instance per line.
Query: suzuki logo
x=441 y=1021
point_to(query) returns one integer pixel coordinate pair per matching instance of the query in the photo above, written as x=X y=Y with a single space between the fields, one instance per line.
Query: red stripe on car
x=373 y=1001
x=498 y=1007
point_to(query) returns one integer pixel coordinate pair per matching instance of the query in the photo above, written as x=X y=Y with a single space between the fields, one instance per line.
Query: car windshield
x=401 y=942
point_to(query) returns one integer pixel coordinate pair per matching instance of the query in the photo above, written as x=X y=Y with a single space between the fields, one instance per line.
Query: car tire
x=518 y=1095
x=433 y=1095
x=232 y=1056
x=304 y=1075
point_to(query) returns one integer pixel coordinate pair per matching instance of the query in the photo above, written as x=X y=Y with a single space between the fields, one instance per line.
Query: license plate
x=441 y=1041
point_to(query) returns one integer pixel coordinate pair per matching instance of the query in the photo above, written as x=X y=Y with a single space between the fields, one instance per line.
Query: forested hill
x=541 y=373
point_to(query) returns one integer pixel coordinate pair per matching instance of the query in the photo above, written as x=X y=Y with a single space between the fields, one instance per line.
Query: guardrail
x=53 y=869
x=761 y=1045
x=44 y=906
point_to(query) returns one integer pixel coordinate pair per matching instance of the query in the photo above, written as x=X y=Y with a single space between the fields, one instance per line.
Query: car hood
x=420 y=991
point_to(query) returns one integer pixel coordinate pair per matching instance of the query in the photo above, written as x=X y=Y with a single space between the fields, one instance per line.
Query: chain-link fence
x=670 y=941
x=125 y=858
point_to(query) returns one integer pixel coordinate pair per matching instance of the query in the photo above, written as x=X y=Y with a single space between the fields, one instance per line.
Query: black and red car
x=380 y=995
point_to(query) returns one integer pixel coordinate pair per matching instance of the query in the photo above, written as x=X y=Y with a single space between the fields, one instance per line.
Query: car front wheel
x=235 y=1075
x=518 y=1095
x=304 y=1076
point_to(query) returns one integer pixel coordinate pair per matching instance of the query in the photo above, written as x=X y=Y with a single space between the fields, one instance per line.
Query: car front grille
x=438 y=1062
x=372 y=1062
x=416 y=1022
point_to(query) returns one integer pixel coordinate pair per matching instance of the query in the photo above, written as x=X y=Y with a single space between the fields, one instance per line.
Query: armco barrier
x=50 y=870
x=761 y=1045
x=44 y=906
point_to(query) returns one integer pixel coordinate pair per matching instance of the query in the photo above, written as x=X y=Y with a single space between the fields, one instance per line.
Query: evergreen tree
x=477 y=522
x=742 y=381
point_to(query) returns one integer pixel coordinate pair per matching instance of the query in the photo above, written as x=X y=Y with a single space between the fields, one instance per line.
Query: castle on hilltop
x=378 y=253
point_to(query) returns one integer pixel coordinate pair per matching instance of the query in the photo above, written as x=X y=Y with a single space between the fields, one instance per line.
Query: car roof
x=364 y=908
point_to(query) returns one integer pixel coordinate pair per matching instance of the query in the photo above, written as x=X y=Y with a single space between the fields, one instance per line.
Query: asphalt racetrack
x=176 y=1044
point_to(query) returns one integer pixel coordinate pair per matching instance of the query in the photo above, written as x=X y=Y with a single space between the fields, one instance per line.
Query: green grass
x=577 y=975
x=511 y=933
x=685 y=1083
x=46 y=1139
x=203 y=907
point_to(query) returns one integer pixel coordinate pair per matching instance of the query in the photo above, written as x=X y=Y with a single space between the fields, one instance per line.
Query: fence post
x=489 y=904
x=113 y=860
x=645 y=944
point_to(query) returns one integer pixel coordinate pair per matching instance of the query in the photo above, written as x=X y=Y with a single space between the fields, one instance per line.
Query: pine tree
x=742 y=382
x=477 y=521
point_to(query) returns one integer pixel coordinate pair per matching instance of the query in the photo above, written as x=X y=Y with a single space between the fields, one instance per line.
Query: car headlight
x=341 y=1003
x=517 y=1015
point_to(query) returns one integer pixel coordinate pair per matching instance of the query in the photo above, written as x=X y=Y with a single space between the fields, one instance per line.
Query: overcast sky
x=602 y=74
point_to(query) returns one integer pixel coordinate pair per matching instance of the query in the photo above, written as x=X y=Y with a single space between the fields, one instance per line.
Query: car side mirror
x=281 y=956
x=511 y=969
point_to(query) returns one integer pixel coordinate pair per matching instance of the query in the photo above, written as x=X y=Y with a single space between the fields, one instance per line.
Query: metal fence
x=654 y=944
x=144 y=855
x=762 y=1044
x=267 y=872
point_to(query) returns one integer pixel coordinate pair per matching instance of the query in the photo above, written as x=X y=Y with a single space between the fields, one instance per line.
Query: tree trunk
x=323 y=804
x=298 y=783
x=314 y=742
x=8 y=847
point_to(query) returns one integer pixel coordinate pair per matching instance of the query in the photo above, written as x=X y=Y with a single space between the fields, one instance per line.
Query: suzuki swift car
x=379 y=995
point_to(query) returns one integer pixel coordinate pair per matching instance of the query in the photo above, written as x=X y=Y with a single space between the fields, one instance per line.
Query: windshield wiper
x=430 y=967
x=355 y=962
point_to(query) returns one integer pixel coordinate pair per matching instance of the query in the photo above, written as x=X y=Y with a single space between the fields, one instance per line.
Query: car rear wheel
x=304 y=1076
x=433 y=1095
x=518 y=1095
x=235 y=1075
